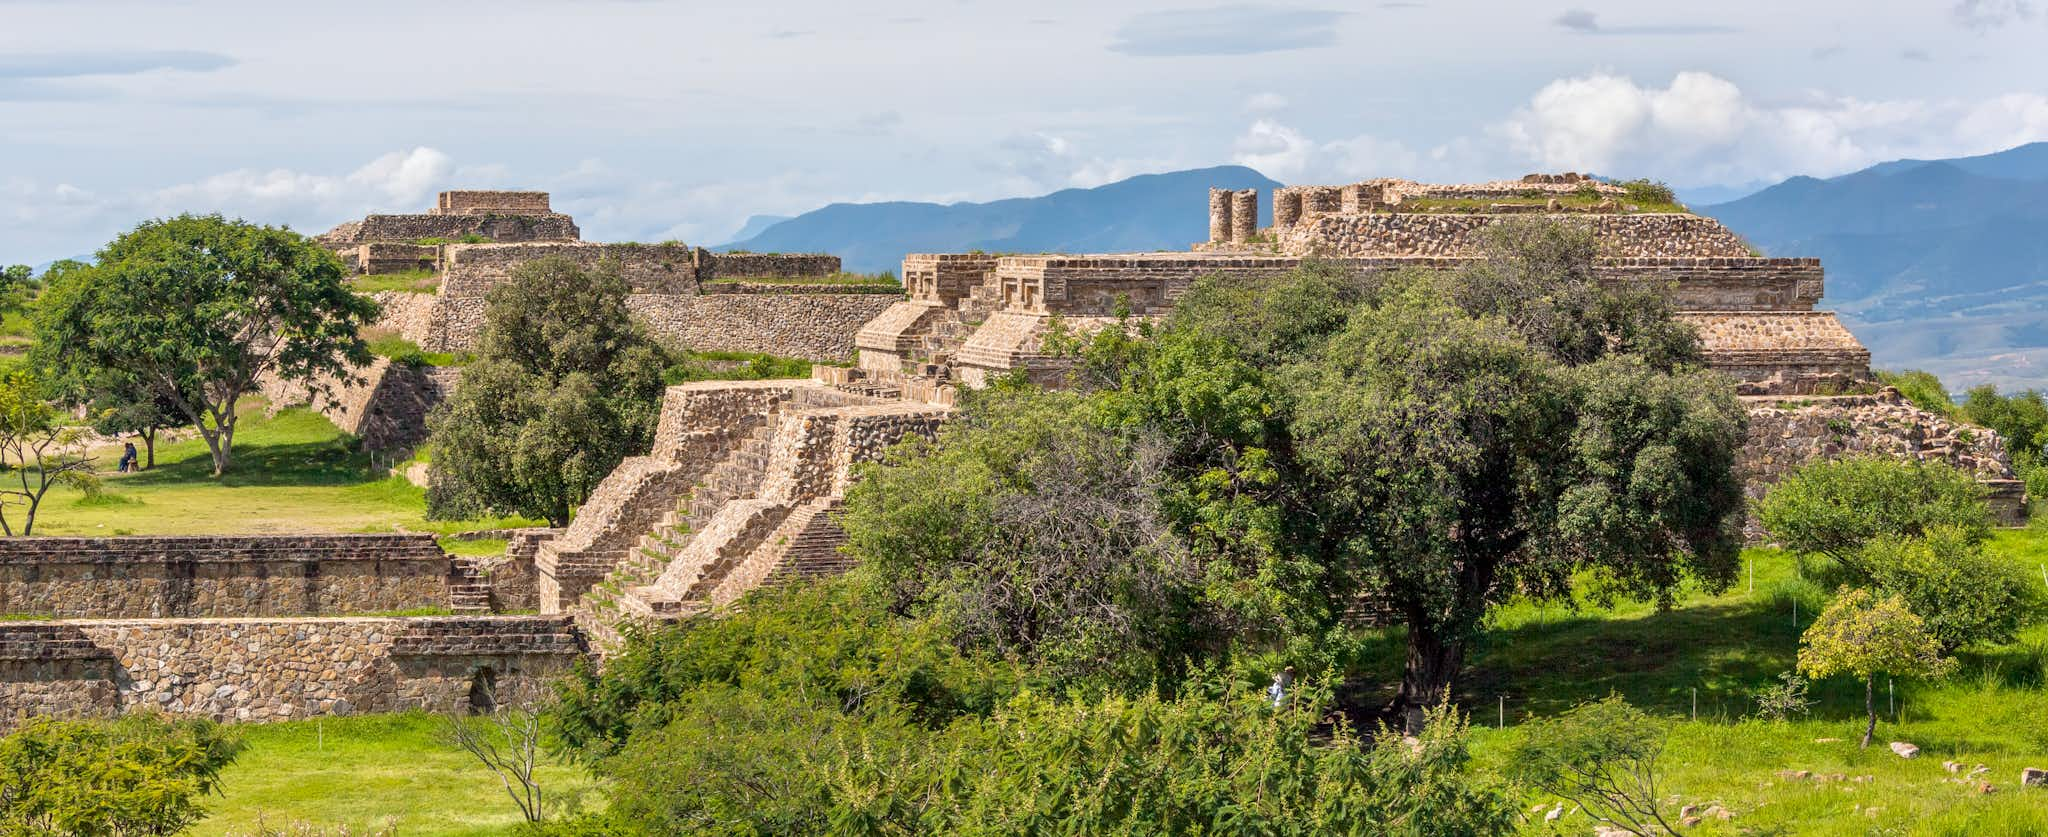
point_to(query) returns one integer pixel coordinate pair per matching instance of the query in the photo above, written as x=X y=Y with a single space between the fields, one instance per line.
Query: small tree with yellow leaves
x=1864 y=635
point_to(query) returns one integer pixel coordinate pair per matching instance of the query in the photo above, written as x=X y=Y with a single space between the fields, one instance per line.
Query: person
x=129 y=461
x=1281 y=683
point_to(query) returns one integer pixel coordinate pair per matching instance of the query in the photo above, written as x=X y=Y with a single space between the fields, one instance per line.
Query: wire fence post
x=1501 y=722
x=1695 y=703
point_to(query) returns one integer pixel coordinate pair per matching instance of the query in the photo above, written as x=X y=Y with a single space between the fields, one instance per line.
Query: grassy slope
x=373 y=771
x=1995 y=712
x=292 y=473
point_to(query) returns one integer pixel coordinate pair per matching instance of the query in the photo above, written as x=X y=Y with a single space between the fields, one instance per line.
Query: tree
x=35 y=449
x=1967 y=596
x=196 y=309
x=1837 y=507
x=507 y=742
x=564 y=387
x=16 y=282
x=142 y=774
x=1601 y=756
x=2021 y=419
x=1864 y=635
x=1923 y=389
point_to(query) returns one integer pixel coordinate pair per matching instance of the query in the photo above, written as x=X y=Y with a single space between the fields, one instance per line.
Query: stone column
x=1286 y=208
x=1244 y=215
x=1219 y=215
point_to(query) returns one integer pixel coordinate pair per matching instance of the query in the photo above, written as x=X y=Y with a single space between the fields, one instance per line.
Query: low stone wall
x=1432 y=234
x=278 y=669
x=513 y=580
x=487 y=201
x=740 y=265
x=290 y=575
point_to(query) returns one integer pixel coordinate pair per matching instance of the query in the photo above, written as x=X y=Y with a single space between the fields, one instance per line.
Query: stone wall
x=384 y=405
x=277 y=669
x=1785 y=433
x=474 y=269
x=742 y=265
x=1433 y=234
x=817 y=326
x=1782 y=352
x=484 y=202
x=514 y=582
x=497 y=227
x=379 y=257
x=289 y=575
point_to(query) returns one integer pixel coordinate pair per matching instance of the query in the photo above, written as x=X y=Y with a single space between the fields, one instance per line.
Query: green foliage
x=17 y=282
x=1866 y=636
x=2022 y=420
x=1921 y=388
x=192 y=310
x=733 y=366
x=141 y=774
x=564 y=386
x=404 y=352
x=1837 y=507
x=1967 y=597
x=1601 y=756
x=1784 y=700
x=35 y=454
x=1648 y=193
x=817 y=711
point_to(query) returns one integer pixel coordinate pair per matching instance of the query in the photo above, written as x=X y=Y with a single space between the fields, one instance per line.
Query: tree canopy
x=1440 y=442
x=564 y=386
x=192 y=311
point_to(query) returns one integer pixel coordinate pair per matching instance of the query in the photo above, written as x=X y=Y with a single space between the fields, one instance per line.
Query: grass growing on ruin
x=372 y=771
x=692 y=365
x=295 y=472
x=1726 y=646
x=410 y=281
x=388 y=344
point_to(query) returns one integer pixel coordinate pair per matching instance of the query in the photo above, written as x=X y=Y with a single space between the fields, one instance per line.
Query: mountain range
x=1935 y=264
x=1148 y=212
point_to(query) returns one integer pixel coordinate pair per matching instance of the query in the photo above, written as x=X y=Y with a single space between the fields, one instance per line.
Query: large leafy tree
x=191 y=311
x=564 y=386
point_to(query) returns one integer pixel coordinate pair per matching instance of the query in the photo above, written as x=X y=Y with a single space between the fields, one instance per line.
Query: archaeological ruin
x=740 y=486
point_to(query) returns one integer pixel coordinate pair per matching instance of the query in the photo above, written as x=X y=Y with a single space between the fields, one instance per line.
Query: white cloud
x=1286 y=155
x=1703 y=129
x=1267 y=101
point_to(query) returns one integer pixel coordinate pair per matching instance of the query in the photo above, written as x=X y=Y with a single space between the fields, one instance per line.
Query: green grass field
x=369 y=772
x=295 y=472
x=1726 y=646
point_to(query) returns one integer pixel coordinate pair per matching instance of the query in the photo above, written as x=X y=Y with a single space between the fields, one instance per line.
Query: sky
x=653 y=120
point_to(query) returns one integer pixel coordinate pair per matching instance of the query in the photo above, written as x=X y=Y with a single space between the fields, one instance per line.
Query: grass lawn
x=1726 y=646
x=374 y=771
x=410 y=281
x=295 y=472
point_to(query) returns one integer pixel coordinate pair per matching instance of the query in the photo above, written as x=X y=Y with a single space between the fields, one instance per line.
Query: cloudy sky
x=655 y=119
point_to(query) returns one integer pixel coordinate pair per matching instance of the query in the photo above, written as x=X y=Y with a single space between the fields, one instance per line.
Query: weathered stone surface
x=221 y=576
x=2033 y=777
x=277 y=669
x=1905 y=750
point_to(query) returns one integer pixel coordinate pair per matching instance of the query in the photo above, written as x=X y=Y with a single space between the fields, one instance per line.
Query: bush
x=1836 y=508
x=142 y=774
x=1921 y=388
x=1645 y=192
x=1963 y=595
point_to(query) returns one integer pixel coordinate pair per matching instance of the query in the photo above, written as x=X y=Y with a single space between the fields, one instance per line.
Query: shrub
x=1782 y=701
x=1647 y=193
x=1964 y=595
x=1836 y=508
x=1921 y=388
x=1601 y=756
x=142 y=774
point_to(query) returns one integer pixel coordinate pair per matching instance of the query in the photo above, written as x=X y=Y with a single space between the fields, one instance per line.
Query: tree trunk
x=1433 y=662
x=1870 y=706
x=149 y=445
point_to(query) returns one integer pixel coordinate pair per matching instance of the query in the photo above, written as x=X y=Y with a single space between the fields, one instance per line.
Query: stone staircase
x=468 y=590
x=761 y=515
x=36 y=642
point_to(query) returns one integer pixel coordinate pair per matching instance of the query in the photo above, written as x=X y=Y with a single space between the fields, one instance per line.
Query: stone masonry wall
x=482 y=202
x=384 y=405
x=1432 y=234
x=742 y=265
x=814 y=326
x=474 y=269
x=497 y=227
x=292 y=575
x=277 y=669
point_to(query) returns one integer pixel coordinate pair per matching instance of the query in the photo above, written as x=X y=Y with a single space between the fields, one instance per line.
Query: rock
x=1720 y=813
x=1827 y=741
x=1554 y=813
x=1688 y=811
x=1689 y=822
x=1905 y=750
x=1986 y=788
x=2034 y=777
x=1951 y=766
x=1795 y=774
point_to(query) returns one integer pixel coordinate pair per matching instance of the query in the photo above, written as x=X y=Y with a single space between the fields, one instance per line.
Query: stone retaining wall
x=817 y=326
x=474 y=269
x=290 y=575
x=741 y=265
x=498 y=227
x=384 y=405
x=278 y=669
x=1430 y=234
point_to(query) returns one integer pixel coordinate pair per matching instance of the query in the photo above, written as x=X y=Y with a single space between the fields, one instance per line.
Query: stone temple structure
x=740 y=486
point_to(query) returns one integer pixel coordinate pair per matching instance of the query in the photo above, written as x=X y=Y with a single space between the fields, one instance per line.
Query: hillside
x=1938 y=265
x=1147 y=212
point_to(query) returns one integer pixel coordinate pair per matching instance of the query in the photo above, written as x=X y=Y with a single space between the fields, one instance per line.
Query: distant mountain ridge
x=1148 y=212
x=1936 y=264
